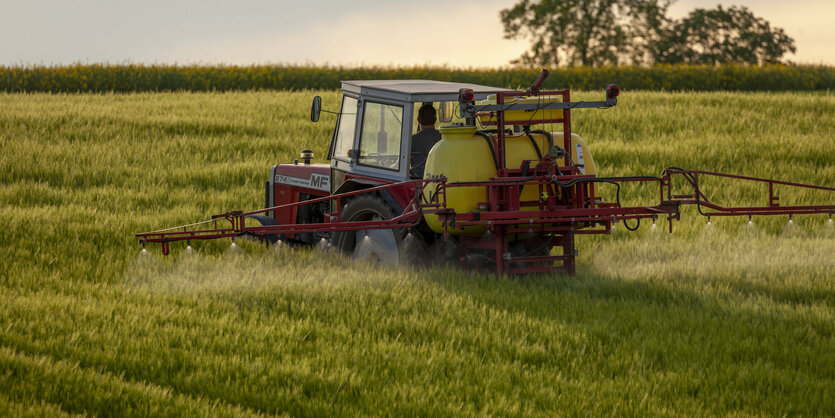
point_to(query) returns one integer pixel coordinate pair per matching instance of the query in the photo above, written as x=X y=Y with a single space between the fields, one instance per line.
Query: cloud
x=462 y=35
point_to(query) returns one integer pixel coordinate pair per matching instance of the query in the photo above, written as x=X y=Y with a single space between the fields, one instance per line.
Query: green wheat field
x=722 y=320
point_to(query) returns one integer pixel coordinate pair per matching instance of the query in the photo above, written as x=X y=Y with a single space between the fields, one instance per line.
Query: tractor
x=493 y=194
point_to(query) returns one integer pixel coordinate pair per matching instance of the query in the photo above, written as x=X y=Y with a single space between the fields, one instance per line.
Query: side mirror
x=612 y=93
x=445 y=112
x=315 y=109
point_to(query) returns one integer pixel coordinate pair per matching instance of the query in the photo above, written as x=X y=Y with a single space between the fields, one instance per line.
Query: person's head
x=426 y=115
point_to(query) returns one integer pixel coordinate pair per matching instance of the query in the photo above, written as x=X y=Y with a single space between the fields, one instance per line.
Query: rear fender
x=392 y=197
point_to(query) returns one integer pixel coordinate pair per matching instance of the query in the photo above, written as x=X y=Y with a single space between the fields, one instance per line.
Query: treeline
x=138 y=78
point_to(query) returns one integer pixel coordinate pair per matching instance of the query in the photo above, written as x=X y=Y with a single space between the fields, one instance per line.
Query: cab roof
x=416 y=90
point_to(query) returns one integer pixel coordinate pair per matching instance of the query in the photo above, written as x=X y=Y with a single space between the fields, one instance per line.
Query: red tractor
x=493 y=193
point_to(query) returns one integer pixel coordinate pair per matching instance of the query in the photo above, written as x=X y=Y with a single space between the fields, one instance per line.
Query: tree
x=721 y=36
x=586 y=32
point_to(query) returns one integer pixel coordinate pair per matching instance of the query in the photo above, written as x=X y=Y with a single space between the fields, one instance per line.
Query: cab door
x=380 y=140
x=371 y=143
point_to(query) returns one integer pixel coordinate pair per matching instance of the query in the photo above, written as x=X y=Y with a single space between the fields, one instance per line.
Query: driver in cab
x=424 y=140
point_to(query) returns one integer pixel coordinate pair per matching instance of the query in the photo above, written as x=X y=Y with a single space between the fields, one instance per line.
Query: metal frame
x=591 y=216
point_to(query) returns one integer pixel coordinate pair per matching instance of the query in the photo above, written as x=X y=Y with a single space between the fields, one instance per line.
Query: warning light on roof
x=466 y=96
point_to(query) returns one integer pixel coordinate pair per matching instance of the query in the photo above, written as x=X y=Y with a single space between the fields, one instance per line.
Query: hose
x=695 y=181
x=637 y=225
x=492 y=149
x=535 y=145
x=609 y=180
x=547 y=135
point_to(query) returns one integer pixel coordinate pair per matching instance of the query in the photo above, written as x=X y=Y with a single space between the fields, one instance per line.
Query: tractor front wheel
x=380 y=245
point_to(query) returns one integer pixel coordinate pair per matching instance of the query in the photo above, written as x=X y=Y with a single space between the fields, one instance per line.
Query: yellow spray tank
x=465 y=154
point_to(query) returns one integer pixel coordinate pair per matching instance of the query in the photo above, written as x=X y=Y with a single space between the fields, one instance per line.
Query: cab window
x=382 y=128
x=344 y=140
x=445 y=112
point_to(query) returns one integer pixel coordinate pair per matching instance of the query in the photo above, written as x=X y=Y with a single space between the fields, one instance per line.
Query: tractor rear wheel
x=381 y=245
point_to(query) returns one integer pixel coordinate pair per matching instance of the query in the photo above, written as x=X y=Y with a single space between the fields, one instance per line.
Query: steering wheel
x=383 y=160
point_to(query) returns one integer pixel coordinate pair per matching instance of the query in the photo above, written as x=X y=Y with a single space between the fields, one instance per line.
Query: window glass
x=345 y=129
x=446 y=113
x=382 y=127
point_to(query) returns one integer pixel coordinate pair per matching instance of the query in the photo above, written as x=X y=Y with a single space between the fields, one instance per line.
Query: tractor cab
x=371 y=146
x=372 y=141
x=435 y=185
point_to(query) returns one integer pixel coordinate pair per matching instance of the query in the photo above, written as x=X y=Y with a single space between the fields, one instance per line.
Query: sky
x=461 y=33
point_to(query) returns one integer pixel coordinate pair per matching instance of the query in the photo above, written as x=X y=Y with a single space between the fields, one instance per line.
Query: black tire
x=364 y=208
x=265 y=221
